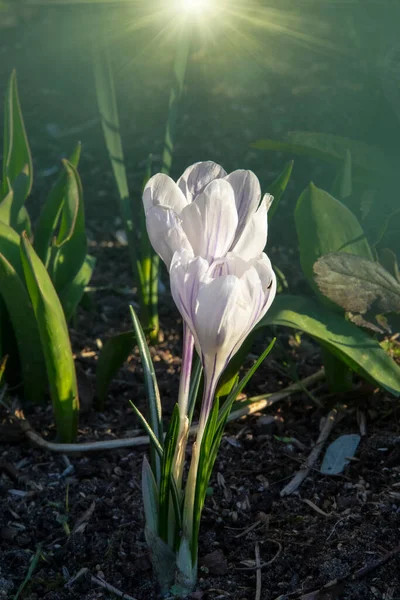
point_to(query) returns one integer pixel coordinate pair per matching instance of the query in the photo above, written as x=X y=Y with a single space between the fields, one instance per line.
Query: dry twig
x=258 y=573
x=301 y=475
x=264 y=564
x=100 y=582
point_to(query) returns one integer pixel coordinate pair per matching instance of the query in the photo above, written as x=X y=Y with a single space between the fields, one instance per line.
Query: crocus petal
x=268 y=200
x=254 y=236
x=197 y=176
x=187 y=275
x=210 y=221
x=221 y=315
x=165 y=233
x=161 y=189
x=246 y=188
x=231 y=264
x=260 y=282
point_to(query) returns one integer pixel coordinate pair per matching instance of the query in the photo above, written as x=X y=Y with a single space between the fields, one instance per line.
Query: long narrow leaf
x=153 y=393
x=179 y=72
x=166 y=473
x=17 y=160
x=52 y=208
x=153 y=439
x=23 y=222
x=6 y=206
x=71 y=244
x=20 y=311
x=72 y=294
x=3 y=364
x=9 y=247
x=195 y=380
x=108 y=108
x=150 y=263
x=226 y=407
x=150 y=497
x=342 y=187
x=202 y=472
x=55 y=342
x=278 y=187
x=107 y=103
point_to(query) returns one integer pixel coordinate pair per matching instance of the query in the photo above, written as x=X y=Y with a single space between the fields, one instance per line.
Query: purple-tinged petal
x=162 y=190
x=196 y=177
x=246 y=188
x=254 y=236
x=187 y=275
x=165 y=233
x=210 y=221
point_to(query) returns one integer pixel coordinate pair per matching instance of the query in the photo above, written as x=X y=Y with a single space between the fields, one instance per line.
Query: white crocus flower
x=221 y=302
x=206 y=212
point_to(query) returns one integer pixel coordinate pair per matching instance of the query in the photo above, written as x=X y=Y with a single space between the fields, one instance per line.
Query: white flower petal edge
x=210 y=221
x=246 y=188
x=165 y=233
x=162 y=190
x=253 y=239
x=196 y=177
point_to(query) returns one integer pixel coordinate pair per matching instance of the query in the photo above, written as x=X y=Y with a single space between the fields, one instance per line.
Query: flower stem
x=190 y=524
x=187 y=358
x=183 y=400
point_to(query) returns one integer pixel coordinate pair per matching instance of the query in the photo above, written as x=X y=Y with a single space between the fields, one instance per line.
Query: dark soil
x=87 y=512
x=90 y=514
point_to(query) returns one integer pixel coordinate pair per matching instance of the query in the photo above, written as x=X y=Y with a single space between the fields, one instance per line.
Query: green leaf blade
x=166 y=473
x=23 y=321
x=153 y=393
x=71 y=244
x=361 y=353
x=51 y=210
x=55 y=342
x=325 y=225
x=72 y=294
x=278 y=187
x=17 y=160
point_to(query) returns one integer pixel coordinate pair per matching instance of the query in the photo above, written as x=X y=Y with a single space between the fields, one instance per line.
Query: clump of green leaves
x=42 y=274
x=348 y=256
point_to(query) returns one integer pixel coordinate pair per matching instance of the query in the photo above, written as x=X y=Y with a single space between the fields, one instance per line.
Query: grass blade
x=3 y=364
x=153 y=439
x=195 y=380
x=107 y=103
x=278 y=187
x=166 y=473
x=175 y=97
x=153 y=394
x=226 y=407
x=32 y=567
x=150 y=497
x=202 y=472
